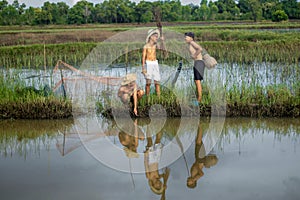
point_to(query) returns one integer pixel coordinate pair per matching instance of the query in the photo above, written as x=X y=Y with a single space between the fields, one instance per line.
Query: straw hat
x=128 y=79
x=151 y=32
x=156 y=190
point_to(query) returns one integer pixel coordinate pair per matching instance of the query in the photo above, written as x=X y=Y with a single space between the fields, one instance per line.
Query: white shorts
x=155 y=153
x=152 y=70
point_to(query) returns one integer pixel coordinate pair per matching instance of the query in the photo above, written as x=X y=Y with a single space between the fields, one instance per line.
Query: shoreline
x=56 y=110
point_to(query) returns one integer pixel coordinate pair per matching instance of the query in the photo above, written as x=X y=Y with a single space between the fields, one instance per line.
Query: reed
x=253 y=101
x=32 y=56
x=20 y=102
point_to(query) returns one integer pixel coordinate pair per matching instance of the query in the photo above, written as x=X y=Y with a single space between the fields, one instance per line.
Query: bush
x=279 y=15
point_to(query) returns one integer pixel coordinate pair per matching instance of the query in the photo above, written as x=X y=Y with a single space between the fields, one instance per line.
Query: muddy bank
x=232 y=110
x=47 y=109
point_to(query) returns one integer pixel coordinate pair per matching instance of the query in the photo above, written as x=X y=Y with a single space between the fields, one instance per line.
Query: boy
x=150 y=67
x=196 y=53
x=129 y=92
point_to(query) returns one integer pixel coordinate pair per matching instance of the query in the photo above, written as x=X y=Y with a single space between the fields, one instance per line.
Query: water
x=262 y=74
x=253 y=158
x=225 y=75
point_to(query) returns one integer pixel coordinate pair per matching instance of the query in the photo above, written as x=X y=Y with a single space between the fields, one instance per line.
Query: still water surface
x=253 y=159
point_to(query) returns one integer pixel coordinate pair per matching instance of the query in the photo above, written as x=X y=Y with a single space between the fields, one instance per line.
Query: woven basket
x=209 y=61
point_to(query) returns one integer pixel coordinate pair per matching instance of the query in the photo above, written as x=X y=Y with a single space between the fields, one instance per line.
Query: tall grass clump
x=262 y=101
x=239 y=51
x=18 y=101
x=32 y=56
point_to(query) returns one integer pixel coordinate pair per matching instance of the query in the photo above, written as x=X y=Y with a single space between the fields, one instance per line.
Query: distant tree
x=194 y=11
x=229 y=8
x=9 y=15
x=279 y=15
x=111 y=11
x=60 y=13
x=204 y=10
x=244 y=6
x=186 y=11
x=170 y=10
x=3 y=4
x=80 y=13
x=290 y=8
x=28 y=17
x=213 y=10
x=298 y=8
x=125 y=12
x=97 y=14
x=143 y=12
x=46 y=14
x=270 y=6
x=147 y=16
x=255 y=9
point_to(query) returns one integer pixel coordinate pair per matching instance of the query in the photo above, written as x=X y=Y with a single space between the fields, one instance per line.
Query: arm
x=146 y=163
x=120 y=92
x=144 y=58
x=197 y=47
x=199 y=135
x=162 y=46
x=136 y=133
x=135 y=100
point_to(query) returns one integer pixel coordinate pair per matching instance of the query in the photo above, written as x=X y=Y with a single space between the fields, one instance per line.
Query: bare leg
x=158 y=137
x=147 y=89
x=157 y=88
x=149 y=137
x=199 y=90
x=135 y=103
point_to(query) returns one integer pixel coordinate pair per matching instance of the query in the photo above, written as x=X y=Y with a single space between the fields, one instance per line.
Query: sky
x=39 y=3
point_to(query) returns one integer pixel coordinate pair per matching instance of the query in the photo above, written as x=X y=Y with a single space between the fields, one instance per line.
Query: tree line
x=125 y=11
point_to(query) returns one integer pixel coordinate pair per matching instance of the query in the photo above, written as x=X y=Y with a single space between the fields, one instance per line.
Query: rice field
x=258 y=70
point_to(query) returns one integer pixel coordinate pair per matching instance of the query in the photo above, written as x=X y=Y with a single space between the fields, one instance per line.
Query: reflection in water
x=130 y=141
x=157 y=178
x=152 y=156
x=245 y=142
x=22 y=137
x=15 y=134
x=202 y=159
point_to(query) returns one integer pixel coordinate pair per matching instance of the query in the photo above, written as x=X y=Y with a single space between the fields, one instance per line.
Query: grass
x=20 y=102
x=32 y=56
x=253 y=101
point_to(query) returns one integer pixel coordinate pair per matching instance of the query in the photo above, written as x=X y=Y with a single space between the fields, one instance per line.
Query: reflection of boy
x=201 y=160
x=130 y=141
x=151 y=159
x=150 y=67
x=129 y=92
x=196 y=53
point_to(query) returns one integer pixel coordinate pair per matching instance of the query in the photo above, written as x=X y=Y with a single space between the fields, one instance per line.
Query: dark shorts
x=131 y=99
x=198 y=70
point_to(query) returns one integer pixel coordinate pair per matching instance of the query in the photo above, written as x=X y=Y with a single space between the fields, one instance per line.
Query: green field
x=231 y=43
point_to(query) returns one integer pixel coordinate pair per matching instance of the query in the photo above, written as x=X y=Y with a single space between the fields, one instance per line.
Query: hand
x=162 y=38
x=135 y=112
